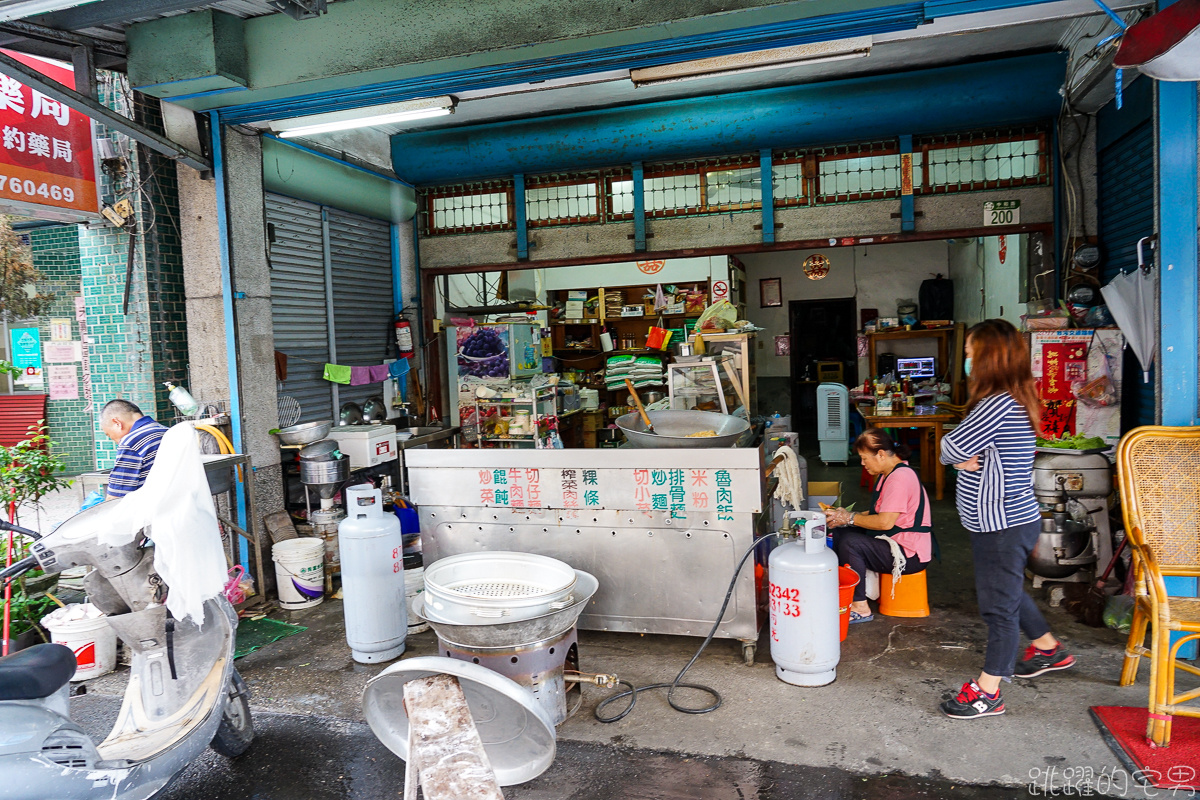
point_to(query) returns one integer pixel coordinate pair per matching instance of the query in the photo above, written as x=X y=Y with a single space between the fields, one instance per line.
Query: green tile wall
x=56 y=255
x=135 y=352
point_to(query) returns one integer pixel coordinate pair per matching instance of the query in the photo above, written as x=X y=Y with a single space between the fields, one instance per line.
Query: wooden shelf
x=916 y=333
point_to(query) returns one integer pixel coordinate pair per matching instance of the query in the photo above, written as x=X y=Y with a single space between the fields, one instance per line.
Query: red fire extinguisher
x=404 y=337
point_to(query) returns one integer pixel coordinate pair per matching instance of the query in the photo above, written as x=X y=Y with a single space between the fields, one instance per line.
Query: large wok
x=673 y=428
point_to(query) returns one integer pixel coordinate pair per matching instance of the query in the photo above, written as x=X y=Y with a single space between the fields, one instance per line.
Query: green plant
x=6 y=368
x=29 y=469
x=26 y=611
x=19 y=295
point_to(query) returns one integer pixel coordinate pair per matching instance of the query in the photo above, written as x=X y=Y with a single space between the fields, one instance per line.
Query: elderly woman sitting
x=896 y=535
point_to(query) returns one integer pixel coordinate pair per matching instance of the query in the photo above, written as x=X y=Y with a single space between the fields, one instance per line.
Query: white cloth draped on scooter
x=177 y=507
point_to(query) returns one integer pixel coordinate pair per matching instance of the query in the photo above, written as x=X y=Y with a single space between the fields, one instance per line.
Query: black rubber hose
x=632 y=691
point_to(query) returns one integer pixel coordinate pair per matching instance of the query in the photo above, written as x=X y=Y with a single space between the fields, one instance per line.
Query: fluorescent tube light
x=758 y=61
x=364 y=117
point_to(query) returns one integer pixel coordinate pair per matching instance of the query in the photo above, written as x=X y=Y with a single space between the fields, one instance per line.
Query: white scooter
x=184 y=694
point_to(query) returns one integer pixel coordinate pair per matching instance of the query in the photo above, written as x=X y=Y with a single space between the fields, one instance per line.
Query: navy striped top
x=135 y=456
x=1000 y=494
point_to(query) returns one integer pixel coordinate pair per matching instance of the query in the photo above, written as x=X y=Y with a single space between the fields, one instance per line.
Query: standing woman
x=993 y=450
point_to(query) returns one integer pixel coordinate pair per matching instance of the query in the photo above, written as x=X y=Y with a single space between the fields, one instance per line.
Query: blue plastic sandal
x=857 y=617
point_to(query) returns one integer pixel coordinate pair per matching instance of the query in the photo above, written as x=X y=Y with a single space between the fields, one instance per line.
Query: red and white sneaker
x=1038 y=663
x=972 y=703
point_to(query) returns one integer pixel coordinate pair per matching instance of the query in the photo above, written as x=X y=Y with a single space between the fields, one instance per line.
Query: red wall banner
x=46 y=154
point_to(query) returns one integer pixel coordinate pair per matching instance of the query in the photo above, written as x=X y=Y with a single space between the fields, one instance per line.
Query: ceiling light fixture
x=758 y=61
x=364 y=117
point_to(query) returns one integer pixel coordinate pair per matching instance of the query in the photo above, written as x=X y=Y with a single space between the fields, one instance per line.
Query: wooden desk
x=933 y=421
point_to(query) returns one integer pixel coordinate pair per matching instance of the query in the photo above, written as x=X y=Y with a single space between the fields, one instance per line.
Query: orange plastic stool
x=911 y=600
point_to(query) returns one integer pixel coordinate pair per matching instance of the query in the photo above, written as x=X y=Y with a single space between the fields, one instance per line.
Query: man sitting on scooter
x=137 y=437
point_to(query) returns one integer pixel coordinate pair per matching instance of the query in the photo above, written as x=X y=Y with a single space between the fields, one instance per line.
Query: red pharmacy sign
x=45 y=147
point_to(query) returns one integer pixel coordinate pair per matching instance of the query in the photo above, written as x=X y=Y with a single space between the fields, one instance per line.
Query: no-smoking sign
x=720 y=290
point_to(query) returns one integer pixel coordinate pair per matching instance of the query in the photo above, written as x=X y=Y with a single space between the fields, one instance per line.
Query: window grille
x=469 y=208
x=848 y=173
x=791 y=178
x=562 y=199
x=983 y=160
x=690 y=188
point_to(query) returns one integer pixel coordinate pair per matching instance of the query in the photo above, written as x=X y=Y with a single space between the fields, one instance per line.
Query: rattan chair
x=1160 y=498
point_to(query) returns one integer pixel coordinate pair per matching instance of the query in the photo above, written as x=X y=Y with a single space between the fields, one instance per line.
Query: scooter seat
x=36 y=672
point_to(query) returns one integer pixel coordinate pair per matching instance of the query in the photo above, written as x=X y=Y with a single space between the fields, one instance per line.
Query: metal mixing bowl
x=305 y=433
x=673 y=428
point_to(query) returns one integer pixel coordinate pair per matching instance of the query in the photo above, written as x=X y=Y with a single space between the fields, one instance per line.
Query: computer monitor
x=915 y=368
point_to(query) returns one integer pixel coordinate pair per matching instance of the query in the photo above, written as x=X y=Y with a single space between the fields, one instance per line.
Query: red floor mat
x=1176 y=766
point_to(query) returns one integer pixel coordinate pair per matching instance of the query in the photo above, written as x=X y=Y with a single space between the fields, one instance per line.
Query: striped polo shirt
x=1000 y=494
x=135 y=456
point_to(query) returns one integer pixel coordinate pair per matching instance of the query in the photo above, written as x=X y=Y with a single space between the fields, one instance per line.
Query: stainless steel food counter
x=661 y=529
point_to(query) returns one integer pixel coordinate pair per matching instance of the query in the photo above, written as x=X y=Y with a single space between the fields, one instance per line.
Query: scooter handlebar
x=17 y=568
x=8 y=526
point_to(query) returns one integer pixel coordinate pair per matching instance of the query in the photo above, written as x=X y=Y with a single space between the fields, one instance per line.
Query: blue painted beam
x=230 y=320
x=908 y=216
x=639 y=207
x=1178 y=204
x=520 y=217
x=767 y=180
x=1177 y=129
x=921 y=101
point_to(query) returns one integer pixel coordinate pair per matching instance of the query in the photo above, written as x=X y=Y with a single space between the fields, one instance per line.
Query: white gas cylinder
x=372 y=553
x=805 y=638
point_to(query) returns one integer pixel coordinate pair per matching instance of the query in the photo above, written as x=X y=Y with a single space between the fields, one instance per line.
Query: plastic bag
x=1118 y=613
x=93 y=498
x=719 y=316
x=1097 y=393
x=176 y=505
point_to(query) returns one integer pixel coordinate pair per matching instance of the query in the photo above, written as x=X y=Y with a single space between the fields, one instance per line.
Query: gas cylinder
x=805 y=638
x=372 y=552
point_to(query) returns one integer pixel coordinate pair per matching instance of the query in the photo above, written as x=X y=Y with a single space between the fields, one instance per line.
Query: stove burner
x=538 y=667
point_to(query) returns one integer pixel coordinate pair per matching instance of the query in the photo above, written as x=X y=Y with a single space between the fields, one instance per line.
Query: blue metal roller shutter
x=1126 y=214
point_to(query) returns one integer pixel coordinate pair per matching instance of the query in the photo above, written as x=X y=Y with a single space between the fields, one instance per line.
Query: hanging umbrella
x=1131 y=298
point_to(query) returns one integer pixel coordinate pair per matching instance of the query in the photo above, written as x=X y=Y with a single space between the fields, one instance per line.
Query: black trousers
x=860 y=551
x=1000 y=559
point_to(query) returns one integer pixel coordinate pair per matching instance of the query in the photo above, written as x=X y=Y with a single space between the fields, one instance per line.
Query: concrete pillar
x=202 y=286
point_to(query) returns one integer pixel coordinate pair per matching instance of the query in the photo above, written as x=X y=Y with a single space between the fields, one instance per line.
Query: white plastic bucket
x=414 y=584
x=300 y=572
x=92 y=641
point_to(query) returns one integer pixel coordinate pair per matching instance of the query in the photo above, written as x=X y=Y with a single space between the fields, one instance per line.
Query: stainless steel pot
x=325 y=472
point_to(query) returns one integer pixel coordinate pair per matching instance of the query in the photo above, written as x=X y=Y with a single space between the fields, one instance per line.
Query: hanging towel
x=336 y=373
x=379 y=373
x=360 y=376
x=398 y=368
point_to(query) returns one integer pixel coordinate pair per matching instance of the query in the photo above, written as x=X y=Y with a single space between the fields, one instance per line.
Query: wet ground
x=311 y=758
x=879 y=718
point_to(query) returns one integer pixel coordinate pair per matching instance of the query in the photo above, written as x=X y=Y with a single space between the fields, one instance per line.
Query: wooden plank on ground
x=444 y=746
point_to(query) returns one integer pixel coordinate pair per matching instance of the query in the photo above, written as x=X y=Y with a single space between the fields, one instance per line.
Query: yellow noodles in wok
x=701 y=435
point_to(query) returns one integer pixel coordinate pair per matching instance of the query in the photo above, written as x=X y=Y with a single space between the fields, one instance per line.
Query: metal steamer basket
x=475 y=588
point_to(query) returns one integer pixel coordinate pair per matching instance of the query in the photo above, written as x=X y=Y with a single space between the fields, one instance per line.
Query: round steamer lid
x=516 y=735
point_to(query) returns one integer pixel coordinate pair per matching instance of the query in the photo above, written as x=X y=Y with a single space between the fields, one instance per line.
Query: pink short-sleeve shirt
x=902 y=494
